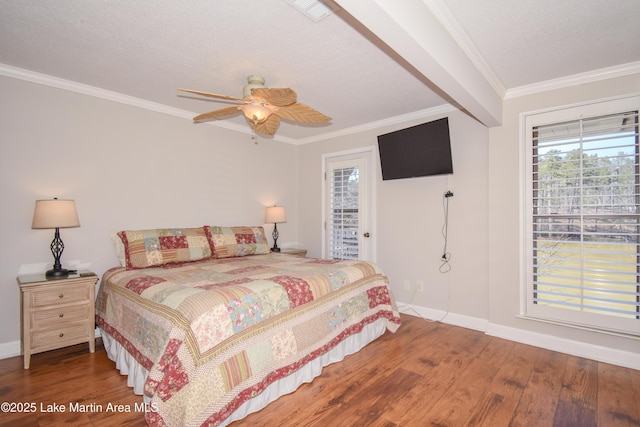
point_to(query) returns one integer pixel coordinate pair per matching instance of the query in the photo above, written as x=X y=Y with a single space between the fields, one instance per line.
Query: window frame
x=529 y=310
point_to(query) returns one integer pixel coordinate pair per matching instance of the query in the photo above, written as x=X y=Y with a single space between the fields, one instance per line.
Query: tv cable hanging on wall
x=445 y=267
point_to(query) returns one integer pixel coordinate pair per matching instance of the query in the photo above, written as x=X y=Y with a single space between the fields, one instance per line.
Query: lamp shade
x=275 y=215
x=55 y=214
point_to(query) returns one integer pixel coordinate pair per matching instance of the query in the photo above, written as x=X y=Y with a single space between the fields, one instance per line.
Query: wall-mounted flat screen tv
x=421 y=150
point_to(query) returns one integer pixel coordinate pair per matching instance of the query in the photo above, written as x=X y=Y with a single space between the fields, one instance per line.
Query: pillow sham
x=227 y=242
x=158 y=246
x=119 y=248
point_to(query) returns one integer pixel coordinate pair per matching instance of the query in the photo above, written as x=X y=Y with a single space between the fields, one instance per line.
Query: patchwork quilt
x=215 y=333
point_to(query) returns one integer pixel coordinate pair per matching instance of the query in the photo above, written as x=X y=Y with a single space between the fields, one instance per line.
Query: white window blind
x=584 y=225
x=344 y=199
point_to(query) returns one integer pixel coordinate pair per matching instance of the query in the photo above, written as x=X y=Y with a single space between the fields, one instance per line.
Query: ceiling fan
x=263 y=107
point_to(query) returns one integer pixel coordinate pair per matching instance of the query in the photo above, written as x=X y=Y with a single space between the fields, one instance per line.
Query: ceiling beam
x=413 y=31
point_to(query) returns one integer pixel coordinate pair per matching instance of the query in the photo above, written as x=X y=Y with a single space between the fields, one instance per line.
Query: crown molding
x=71 y=86
x=56 y=82
x=391 y=121
x=451 y=24
x=575 y=79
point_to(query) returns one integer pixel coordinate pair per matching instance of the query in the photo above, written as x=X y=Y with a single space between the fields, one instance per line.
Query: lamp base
x=58 y=272
x=275 y=236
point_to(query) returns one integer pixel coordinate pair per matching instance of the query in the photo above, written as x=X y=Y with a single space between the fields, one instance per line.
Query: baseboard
x=443 y=316
x=550 y=342
x=12 y=348
x=563 y=345
x=9 y=349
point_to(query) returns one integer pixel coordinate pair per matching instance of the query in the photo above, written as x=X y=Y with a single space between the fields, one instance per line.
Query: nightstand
x=294 y=251
x=56 y=313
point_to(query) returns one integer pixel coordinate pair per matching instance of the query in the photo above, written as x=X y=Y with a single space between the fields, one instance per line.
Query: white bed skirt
x=125 y=363
x=137 y=375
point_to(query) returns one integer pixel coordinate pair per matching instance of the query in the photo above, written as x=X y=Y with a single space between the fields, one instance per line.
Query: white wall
x=126 y=168
x=482 y=290
x=410 y=217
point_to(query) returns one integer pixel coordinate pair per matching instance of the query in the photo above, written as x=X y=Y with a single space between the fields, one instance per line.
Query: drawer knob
x=61 y=315
x=61 y=334
x=60 y=296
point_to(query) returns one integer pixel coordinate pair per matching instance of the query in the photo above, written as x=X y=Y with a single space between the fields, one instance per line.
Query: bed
x=210 y=326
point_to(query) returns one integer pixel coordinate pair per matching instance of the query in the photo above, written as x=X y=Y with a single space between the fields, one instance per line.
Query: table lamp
x=275 y=215
x=56 y=214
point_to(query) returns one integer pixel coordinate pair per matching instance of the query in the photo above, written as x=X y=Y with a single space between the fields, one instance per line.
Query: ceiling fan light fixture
x=255 y=111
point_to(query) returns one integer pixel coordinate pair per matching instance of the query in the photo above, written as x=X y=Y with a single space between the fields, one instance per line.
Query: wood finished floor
x=427 y=374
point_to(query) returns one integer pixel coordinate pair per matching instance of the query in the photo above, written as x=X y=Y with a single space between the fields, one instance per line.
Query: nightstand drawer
x=53 y=317
x=56 y=295
x=68 y=334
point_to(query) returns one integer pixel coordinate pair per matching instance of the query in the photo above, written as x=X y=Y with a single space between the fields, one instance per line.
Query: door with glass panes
x=348 y=206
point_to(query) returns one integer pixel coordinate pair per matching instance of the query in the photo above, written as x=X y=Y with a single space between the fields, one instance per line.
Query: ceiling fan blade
x=268 y=127
x=301 y=113
x=280 y=97
x=212 y=95
x=217 y=114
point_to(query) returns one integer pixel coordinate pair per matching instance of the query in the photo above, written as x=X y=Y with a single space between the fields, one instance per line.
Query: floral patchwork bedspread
x=215 y=333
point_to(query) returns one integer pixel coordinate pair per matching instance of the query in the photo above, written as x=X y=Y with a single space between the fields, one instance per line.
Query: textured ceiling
x=148 y=48
x=531 y=41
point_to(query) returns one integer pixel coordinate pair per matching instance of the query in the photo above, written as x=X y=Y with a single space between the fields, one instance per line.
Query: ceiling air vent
x=316 y=10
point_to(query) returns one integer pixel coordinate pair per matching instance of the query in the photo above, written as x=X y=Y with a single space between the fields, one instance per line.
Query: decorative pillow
x=146 y=248
x=229 y=242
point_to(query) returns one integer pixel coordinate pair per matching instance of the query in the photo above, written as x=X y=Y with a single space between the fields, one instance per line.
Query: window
x=582 y=230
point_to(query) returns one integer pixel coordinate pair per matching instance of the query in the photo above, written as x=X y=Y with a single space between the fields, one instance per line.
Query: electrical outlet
x=420 y=285
x=407 y=285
